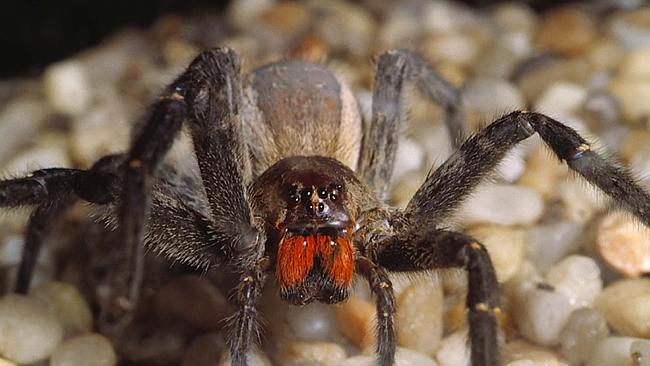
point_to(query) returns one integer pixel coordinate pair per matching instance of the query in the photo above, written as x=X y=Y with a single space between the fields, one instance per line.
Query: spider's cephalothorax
x=293 y=184
x=310 y=205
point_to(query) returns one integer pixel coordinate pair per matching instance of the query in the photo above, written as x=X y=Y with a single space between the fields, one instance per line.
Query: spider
x=290 y=182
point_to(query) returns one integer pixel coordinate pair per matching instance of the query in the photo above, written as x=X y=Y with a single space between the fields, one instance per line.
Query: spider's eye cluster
x=330 y=192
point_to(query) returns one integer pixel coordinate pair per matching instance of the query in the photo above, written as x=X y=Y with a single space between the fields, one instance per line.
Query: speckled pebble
x=90 y=350
x=418 y=322
x=578 y=278
x=70 y=307
x=626 y=306
x=29 y=331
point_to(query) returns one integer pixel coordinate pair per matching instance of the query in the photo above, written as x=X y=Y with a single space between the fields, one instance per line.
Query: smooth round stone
x=454 y=350
x=207 y=309
x=70 y=307
x=244 y=13
x=611 y=351
x=514 y=17
x=506 y=246
x=626 y=306
x=38 y=158
x=543 y=315
x=561 y=98
x=602 y=107
x=11 y=250
x=580 y=201
x=29 y=331
x=534 y=81
x=488 y=98
x=567 y=30
x=453 y=48
x=90 y=349
x=636 y=64
x=418 y=321
x=345 y=26
x=542 y=172
x=314 y=322
x=578 y=278
x=583 y=331
x=407 y=357
x=5 y=362
x=360 y=360
x=640 y=352
x=632 y=29
x=629 y=91
x=502 y=204
x=356 y=320
x=311 y=353
x=66 y=87
x=205 y=350
x=624 y=243
x=522 y=363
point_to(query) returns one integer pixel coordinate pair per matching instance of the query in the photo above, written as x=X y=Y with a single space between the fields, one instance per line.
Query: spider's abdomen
x=296 y=108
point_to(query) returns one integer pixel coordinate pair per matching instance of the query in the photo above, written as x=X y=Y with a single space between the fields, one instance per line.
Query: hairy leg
x=393 y=70
x=446 y=187
x=415 y=250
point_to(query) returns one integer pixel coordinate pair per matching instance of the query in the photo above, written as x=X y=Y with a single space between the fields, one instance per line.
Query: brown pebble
x=624 y=244
x=356 y=319
x=568 y=31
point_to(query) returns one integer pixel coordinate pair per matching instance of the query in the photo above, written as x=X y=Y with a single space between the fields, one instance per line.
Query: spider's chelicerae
x=291 y=183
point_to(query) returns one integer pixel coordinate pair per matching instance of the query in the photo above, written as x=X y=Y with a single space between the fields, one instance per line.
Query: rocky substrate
x=571 y=265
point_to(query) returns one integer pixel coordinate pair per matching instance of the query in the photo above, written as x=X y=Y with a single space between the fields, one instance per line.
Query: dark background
x=36 y=33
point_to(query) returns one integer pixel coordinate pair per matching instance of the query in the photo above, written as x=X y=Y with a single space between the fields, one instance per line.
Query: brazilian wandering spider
x=293 y=184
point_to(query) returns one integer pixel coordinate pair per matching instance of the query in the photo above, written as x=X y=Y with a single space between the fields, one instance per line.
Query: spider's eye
x=293 y=193
x=322 y=193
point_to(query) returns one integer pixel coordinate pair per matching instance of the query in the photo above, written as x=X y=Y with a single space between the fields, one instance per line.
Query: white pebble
x=66 y=302
x=612 y=351
x=561 y=98
x=407 y=357
x=21 y=120
x=314 y=322
x=506 y=246
x=38 y=158
x=29 y=331
x=503 y=204
x=11 y=250
x=522 y=363
x=629 y=91
x=311 y=353
x=583 y=331
x=454 y=350
x=90 y=350
x=543 y=315
x=492 y=97
x=66 y=87
x=578 y=278
x=360 y=360
x=408 y=157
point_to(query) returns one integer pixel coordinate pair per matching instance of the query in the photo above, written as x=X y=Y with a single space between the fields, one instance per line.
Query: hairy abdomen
x=294 y=108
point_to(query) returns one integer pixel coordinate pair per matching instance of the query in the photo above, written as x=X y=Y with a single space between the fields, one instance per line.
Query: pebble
x=356 y=320
x=534 y=81
x=581 y=201
x=626 y=306
x=90 y=349
x=408 y=157
x=502 y=204
x=629 y=91
x=360 y=360
x=506 y=246
x=345 y=26
x=244 y=13
x=578 y=278
x=66 y=302
x=164 y=346
x=561 y=98
x=311 y=353
x=640 y=352
x=488 y=98
x=5 y=362
x=205 y=350
x=314 y=322
x=611 y=351
x=418 y=321
x=632 y=28
x=568 y=31
x=67 y=88
x=522 y=351
x=511 y=16
x=583 y=331
x=20 y=119
x=29 y=331
x=522 y=363
x=454 y=350
x=624 y=243
x=11 y=250
x=636 y=64
x=456 y=49
x=207 y=309
x=542 y=172
x=543 y=315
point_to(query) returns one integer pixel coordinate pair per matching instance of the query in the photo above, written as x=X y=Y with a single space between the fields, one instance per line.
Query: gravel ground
x=571 y=265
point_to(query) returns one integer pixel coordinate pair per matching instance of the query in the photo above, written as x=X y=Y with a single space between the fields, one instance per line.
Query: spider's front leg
x=394 y=69
x=418 y=250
